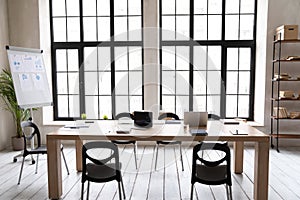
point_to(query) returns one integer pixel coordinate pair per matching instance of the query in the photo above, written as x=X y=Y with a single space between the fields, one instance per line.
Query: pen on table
x=236 y=131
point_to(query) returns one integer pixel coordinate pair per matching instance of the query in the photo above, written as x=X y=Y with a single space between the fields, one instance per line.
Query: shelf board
x=287 y=41
x=283 y=135
x=275 y=99
x=290 y=119
x=284 y=60
x=287 y=80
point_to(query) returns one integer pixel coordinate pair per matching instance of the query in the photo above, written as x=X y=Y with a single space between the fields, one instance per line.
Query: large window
x=207 y=56
x=96 y=52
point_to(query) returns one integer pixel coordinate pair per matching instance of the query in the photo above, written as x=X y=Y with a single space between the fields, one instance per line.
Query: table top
x=107 y=130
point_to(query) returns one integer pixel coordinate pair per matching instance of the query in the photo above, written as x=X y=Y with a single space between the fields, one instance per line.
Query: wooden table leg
x=261 y=170
x=238 y=150
x=78 y=144
x=54 y=168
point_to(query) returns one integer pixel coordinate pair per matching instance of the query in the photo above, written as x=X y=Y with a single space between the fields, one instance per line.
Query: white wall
x=6 y=123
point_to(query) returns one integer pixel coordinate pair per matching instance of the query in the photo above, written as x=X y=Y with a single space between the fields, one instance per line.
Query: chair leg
x=82 y=189
x=135 y=157
x=156 y=156
x=88 y=191
x=63 y=155
x=119 y=187
x=123 y=188
x=192 y=190
x=181 y=157
x=37 y=163
x=230 y=192
x=21 y=171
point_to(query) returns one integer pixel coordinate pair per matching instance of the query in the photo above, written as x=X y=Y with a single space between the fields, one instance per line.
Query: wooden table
x=106 y=130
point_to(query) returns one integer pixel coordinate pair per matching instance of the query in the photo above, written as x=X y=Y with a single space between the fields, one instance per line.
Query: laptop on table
x=197 y=122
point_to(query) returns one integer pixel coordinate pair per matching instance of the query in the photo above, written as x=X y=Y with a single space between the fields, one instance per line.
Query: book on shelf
x=281 y=112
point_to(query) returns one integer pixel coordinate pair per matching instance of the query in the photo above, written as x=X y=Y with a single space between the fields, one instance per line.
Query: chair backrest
x=94 y=152
x=212 y=163
x=168 y=115
x=213 y=116
x=29 y=131
x=124 y=115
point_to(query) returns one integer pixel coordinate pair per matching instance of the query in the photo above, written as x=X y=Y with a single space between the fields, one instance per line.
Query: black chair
x=211 y=172
x=168 y=116
x=129 y=116
x=29 y=131
x=102 y=168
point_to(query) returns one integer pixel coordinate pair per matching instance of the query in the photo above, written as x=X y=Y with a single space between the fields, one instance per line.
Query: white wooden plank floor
x=167 y=182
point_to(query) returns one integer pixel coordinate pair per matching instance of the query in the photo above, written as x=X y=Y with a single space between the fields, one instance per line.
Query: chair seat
x=41 y=150
x=213 y=175
x=101 y=173
x=124 y=141
x=168 y=142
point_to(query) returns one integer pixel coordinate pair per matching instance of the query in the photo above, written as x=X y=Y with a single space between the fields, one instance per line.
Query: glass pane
x=200 y=7
x=246 y=27
x=168 y=58
x=232 y=6
x=199 y=103
x=231 y=27
x=72 y=7
x=199 y=82
x=168 y=104
x=247 y=6
x=136 y=103
x=122 y=104
x=168 y=82
x=135 y=28
x=182 y=28
x=104 y=60
x=135 y=58
x=134 y=7
x=90 y=88
x=90 y=58
x=91 y=107
x=73 y=83
x=104 y=83
x=61 y=60
x=200 y=57
x=105 y=106
x=73 y=60
x=214 y=27
x=182 y=82
x=168 y=27
x=213 y=82
x=231 y=106
x=135 y=83
x=182 y=105
x=214 y=58
x=168 y=7
x=103 y=28
x=214 y=104
x=120 y=7
x=200 y=27
x=245 y=58
x=182 y=7
x=121 y=84
x=62 y=84
x=121 y=28
x=74 y=106
x=182 y=58
x=103 y=7
x=89 y=7
x=89 y=28
x=58 y=8
x=121 y=58
x=73 y=29
x=231 y=82
x=243 y=106
x=214 y=7
x=62 y=101
x=232 y=58
x=244 y=82
x=59 y=29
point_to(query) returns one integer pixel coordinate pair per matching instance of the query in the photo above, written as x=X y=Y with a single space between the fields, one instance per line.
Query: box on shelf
x=282 y=112
x=286 y=94
x=287 y=32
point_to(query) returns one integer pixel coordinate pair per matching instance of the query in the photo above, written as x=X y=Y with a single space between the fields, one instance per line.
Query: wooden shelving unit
x=276 y=100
